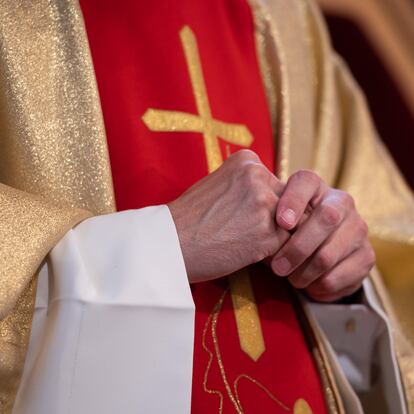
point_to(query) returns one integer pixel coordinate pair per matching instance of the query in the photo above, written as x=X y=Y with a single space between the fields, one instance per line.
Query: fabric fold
x=119 y=321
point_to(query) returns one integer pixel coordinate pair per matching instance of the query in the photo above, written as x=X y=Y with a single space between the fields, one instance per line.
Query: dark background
x=392 y=115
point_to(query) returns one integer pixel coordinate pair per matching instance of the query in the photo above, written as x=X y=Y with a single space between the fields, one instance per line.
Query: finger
x=244 y=155
x=345 y=276
x=302 y=188
x=324 y=220
x=345 y=240
x=275 y=242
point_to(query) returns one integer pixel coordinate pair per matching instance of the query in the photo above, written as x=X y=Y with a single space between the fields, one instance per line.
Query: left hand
x=329 y=253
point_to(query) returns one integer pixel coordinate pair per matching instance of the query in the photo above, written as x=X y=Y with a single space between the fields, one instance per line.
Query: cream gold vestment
x=55 y=171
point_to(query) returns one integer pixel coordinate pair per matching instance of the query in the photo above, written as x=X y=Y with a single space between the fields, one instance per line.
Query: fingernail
x=289 y=217
x=281 y=266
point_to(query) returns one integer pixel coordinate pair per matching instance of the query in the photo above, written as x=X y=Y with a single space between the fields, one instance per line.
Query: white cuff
x=116 y=333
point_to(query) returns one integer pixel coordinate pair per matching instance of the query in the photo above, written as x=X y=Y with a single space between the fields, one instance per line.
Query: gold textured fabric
x=53 y=158
x=54 y=164
x=324 y=124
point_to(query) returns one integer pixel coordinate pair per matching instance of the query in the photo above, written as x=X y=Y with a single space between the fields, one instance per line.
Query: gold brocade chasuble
x=54 y=166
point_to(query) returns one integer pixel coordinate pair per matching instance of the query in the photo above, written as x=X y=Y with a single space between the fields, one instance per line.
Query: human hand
x=226 y=220
x=329 y=254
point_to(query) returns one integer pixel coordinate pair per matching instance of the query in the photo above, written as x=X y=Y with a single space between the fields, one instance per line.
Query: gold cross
x=245 y=308
x=159 y=120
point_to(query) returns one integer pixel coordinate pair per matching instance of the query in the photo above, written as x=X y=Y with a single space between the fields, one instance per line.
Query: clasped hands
x=305 y=230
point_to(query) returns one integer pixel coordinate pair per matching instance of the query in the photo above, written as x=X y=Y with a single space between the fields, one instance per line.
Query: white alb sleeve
x=114 y=321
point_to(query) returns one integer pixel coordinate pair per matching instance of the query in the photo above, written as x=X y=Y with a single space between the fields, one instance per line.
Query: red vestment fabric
x=140 y=64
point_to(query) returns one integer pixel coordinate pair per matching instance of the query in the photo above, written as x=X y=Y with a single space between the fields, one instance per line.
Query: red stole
x=140 y=64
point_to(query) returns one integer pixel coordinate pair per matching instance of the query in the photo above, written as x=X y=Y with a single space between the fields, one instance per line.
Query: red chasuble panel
x=142 y=56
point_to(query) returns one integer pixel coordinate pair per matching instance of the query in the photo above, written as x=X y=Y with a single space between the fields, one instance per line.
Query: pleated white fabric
x=116 y=333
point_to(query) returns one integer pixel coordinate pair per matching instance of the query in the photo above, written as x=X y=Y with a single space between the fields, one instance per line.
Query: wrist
x=179 y=222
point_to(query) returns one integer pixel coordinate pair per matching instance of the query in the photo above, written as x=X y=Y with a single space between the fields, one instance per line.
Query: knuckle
x=306 y=175
x=298 y=282
x=324 y=260
x=245 y=155
x=327 y=286
x=330 y=214
x=347 y=199
x=263 y=200
x=252 y=173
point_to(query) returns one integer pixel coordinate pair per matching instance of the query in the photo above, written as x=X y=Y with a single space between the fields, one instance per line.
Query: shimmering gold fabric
x=14 y=334
x=53 y=139
x=327 y=128
x=53 y=157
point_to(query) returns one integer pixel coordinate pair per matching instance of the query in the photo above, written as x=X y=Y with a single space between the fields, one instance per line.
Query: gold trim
x=273 y=22
x=270 y=55
x=268 y=69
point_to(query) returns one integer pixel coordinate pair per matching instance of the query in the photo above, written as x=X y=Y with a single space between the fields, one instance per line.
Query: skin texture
x=242 y=214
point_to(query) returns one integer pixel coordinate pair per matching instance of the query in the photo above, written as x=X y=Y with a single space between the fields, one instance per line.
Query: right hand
x=226 y=221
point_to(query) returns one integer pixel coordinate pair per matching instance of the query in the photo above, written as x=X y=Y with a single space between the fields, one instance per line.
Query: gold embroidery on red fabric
x=210 y=360
x=261 y=386
x=162 y=120
x=215 y=315
x=301 y=406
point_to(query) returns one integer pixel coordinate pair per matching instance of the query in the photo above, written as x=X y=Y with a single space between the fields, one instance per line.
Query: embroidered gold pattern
x=300 y=407
x=211 y=357
x=262 y=387
x=216 y=313
x=247 y=315
x=160 y=120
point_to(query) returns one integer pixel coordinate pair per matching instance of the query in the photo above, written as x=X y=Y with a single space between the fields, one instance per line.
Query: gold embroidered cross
x=159 y=120
x=247 y=319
